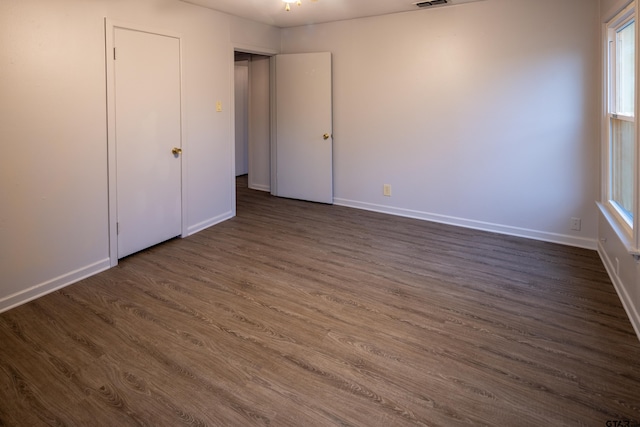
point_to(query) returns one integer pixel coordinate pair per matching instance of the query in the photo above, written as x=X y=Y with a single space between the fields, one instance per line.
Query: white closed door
x=304 y=140
x=148 y=139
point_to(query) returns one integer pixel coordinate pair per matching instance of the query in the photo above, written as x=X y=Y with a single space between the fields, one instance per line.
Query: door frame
x=110 y=27
x=257 y=50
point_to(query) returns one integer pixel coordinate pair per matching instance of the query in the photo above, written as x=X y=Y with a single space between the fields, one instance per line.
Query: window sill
x=620 y=231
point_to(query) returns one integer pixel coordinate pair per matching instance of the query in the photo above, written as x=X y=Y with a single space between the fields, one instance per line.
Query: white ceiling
x=311 y=11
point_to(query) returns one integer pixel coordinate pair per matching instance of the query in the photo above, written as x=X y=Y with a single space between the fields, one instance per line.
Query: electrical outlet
x=386 y=190
x=576 y=224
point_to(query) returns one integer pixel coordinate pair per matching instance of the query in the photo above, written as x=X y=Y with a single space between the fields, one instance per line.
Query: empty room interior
x=324 y=212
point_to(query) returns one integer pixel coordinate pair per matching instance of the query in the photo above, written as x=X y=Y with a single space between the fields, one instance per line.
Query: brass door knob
x=325 y=136
x=176 y=151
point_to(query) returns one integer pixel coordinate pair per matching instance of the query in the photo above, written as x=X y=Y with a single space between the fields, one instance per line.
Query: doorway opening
x=288 y=152
x=252 y=81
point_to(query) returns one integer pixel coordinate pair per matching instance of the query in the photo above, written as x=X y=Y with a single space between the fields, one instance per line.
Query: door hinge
x=117 y=228
x=114 y=53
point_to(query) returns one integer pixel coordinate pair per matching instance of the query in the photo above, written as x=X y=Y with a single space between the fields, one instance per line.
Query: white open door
x=304 y=142
x=147 y=92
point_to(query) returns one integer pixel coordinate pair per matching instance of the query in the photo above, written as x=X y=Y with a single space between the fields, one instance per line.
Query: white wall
x=483 y=115
x=609 y=8
x=53 y=170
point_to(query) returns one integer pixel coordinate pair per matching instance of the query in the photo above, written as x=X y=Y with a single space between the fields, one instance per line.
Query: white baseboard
x=52 y=285
x=209 y=222
x=260 y=187
x=477 y=225
x=627 y=302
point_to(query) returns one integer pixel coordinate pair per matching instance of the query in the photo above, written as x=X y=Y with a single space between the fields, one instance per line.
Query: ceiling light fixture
x=287 y=6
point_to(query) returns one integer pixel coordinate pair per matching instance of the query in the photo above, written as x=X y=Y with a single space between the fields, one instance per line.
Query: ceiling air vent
x=432 y=3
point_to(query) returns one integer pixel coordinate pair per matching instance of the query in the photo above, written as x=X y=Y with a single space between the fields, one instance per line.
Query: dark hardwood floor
x=300 y=314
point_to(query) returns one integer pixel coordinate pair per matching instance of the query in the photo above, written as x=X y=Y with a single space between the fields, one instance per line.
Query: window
x=621 y=115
